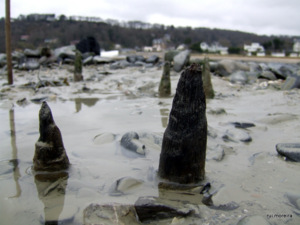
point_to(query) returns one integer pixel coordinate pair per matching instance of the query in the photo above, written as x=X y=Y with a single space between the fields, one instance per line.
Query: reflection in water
x=51 y=189
x=14 y=161
x=164 y=117
x=86 y=101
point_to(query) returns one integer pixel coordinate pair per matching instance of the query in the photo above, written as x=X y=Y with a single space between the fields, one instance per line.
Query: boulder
x=227 y=66
x=289 y=150
x=182 y=157
x=165 y=82
x=31 y=65
x=65 y=52
x=130 y=141
x=239 y=77
x=181 y=59
x=109 y=214
x=88 y=44
x=236 y=135
x=152 y=59
x=135 y=58
x=32 y=53
x=267 y=75
x=50 y=154
x=153 y=208
x=124 y=185
x=169 y=56
x=291 y=82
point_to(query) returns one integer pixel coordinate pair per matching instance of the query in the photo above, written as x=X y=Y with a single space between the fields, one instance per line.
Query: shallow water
x=250 y=174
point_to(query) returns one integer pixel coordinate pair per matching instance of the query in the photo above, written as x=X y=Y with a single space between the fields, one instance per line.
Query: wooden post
x=8 y=43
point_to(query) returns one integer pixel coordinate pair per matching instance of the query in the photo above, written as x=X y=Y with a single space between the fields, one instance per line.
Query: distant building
x=215 y=47
x=296 y=46
x=24 y=37
x=254 y=48
x=158 y=44
x=41 y=17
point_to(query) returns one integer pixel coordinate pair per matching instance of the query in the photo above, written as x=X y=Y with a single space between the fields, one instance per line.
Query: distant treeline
x=33 y=34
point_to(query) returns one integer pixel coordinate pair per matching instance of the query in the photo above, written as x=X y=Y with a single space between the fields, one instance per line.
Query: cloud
x=258 y=16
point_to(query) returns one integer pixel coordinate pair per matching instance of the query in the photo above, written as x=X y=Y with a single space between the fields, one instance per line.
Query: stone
x=181 y=60
x=88 y=44
x=32 y=53
x=104 y=138
x=78 y=67
x=236 y=135
x=152 y=59
x=291 y=82
x=206 y=78
x=250 y=220
x=183 y=153
x=225 y=67
x=109 y=214
x=50 y=154
x=153 y=208
x=267 y=75
x=294 y=199
x=169 y=56
x=239 y=77
x=289 y=150
x=32 y=65
x=165 y=82
x=65 y=52
x=130 y=141
x=124 y=185
x=243 y=125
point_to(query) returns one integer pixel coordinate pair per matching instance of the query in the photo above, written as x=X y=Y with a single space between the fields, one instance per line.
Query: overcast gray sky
x=278 y=17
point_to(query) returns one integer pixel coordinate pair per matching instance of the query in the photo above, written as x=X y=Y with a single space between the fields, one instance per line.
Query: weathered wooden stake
x=8 y=43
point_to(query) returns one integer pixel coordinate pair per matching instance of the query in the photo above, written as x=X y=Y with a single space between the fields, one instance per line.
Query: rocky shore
x=112 y=124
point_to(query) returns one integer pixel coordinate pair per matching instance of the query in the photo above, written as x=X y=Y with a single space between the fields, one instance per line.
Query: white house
x=296 y=46
x=254 y=48
x=214 y=48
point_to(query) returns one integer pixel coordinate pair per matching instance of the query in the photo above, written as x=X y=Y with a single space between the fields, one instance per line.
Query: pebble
x=290 y=150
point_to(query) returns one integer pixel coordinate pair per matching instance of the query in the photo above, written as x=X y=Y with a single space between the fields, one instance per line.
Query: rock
x=32 y=65
x=281 y=71
x=181 y=59
x=291 y=82
x=101 y=60
x=290 y=150
x=216 y=154
x=236 y=136
x=239 y=77
x=124 y=185
x=88 y=44
x=277 y=118
x=226 y=67
x=135 y=58
x=169 y=56
x=243 y=125
x=65 y=52
x=50 y=154
x=152 y=59
x=294 y=199
x=88 y=60
x=206 y=78
x=2 y=59
x=78 y=67
x=251 y=220
x=109 y=214
x=120 y=65
x=165 y=82
x=32 y=53
x=267 y=75
x=182 y=157
x=130 y=141
x=218 y=111
x=153 y=208
x=104 y=138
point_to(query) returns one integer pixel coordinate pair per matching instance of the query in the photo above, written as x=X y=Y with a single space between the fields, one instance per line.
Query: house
x=215 y=47
x=254 y=48
x=296 y=46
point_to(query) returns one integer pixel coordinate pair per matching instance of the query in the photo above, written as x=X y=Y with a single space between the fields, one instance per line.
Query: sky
x=263 y=17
